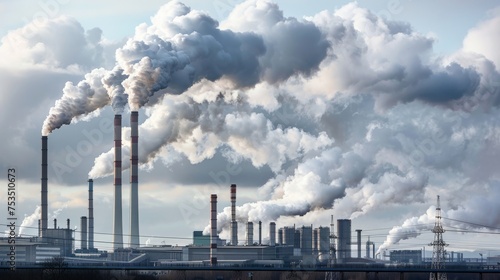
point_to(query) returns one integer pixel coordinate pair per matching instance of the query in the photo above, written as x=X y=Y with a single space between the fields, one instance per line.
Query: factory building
x=406 y=256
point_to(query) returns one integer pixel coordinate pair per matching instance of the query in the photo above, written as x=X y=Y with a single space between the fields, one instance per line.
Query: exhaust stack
x=213 y=231
x=249 y=233
x=358 y=231
x=134 y=182
x=44 y=203
x=272 y=234
x=117 y=216
x=260 y=233
x=91 y=214
x=83 y=232
x=234 y=224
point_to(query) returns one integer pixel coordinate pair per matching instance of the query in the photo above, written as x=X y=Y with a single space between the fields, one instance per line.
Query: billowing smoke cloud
x=77 y=101
x=349 y=110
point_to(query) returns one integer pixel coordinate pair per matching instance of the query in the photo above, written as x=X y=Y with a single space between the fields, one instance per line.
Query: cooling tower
x=117 y=215
x=91 y=214
x=234 y=223
x=213 y=229
x=44 y=209
x=134 y=182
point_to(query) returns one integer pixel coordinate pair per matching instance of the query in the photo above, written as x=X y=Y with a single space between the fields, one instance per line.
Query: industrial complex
x=288 y=246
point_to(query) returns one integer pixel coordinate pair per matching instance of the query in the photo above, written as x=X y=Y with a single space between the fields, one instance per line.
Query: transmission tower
x=330 y=275
x=438 y=252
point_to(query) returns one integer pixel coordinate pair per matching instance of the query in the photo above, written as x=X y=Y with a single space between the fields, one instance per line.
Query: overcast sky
x=370 y=107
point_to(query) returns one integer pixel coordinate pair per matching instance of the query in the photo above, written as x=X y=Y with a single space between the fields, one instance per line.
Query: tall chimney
x=272 y=234
x=134 y=182
x=358 y=231
x=249 y=233
x=83 y=232
x=213 y=231
x=91 y=214
x=260 y=233
x=44 y=209
x=117 y=216
x=234 y=224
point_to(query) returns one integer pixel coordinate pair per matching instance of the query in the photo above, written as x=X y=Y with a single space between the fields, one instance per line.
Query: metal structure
x=213 y=230
x=234 y=223
x=43 y=212
x=368 y=244
x=117 y=209
x=91 y=214
x=438 y=252
x=330 y=275
x=134 y=182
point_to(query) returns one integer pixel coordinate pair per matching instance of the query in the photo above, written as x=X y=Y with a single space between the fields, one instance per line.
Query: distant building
x=406 y=256
x=199 y=239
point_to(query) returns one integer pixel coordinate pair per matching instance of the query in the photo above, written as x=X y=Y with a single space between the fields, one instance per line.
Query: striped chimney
x=44 y=203
x=91 y=214
x=234 y=223
x=134 y=182
x=117 y=216
x=213 y=230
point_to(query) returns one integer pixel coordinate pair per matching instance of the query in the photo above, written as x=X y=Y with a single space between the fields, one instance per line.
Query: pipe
x=117 y=209
x=213 y=230
x=134 y=182
x=234 y=223
x=272 y=234
x=249 y=233
x=260 y=233
x=359 y=242
x=44 y=203
x=39 y=227
x=91 y=214
x=67 y=223
x=55 y=223
x=83 y=232
x=373 y=249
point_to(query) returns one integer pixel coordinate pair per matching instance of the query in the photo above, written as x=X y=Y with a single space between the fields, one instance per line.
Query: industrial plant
x=288 y=246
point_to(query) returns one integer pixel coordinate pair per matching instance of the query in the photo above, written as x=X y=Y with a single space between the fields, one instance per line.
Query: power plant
x=285 y=246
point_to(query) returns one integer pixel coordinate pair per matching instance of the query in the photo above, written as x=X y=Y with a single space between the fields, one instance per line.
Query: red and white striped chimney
x=117 y=216
x=134 y=182
x=213 y=230
x=234 y=223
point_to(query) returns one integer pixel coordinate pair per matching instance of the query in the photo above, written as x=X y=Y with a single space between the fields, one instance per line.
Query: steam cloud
x=348 y=109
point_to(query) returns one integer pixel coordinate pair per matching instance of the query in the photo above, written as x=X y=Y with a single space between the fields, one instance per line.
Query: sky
x=363 y=110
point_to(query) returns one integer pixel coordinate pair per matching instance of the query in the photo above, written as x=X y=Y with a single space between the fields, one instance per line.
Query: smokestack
x=91 y=214
x=44 y=186
x=213 y=230
x=117 y=216
x=272 y=234
x=83 y=232
x=234 y=224
x=249 y=233
x=67 y=223
x=260 y=233
x=358 y=231
x=55 y=223
x=368 y=248
x=134 y=182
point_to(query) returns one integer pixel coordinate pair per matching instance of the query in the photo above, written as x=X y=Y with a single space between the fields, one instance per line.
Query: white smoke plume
x=31 y=220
